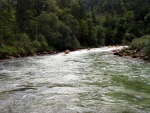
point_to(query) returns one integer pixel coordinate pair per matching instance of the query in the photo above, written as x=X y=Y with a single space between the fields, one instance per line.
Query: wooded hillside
x=32 y=26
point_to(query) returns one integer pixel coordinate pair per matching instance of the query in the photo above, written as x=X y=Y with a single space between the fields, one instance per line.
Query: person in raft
x=67 y=51
x=88 y=48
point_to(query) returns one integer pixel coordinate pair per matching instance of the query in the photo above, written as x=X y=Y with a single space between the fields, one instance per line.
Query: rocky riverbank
x=7 y=56
x=131 y=53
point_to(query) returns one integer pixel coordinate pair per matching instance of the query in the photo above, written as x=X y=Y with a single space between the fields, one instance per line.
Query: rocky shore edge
x=5 y=56
x=131 y=53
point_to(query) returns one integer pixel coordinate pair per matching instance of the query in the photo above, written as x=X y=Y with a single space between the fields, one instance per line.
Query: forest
x=37 y=26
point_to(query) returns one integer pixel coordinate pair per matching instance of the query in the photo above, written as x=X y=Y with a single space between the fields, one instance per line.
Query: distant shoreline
x=54 y=52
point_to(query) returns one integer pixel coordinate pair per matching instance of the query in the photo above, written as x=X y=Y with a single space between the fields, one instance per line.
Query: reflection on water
x=84 y=81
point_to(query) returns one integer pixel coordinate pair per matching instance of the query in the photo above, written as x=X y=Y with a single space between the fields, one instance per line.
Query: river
x=93 y=81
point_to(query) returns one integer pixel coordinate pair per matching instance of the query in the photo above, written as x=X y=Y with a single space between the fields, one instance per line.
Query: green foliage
x=64 y=39
x=43 y=43
x=129 y=16
x=75 y=9
x=36 y=45
x=128 y=37
x=83 y=32
x=75 y=43
x=142 y=44
x=100 y=35
x=72 y=23
x=24 y=44
x=7 y=51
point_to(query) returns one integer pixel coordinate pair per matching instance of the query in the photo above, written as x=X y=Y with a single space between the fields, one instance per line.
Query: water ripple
x=83 y=81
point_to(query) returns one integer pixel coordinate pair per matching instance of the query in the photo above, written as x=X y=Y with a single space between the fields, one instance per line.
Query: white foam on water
x=102 y=49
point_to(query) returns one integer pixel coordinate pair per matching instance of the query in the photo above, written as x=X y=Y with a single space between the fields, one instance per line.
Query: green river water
x=83 y=81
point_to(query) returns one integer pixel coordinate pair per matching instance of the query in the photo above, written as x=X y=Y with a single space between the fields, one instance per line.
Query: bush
x=6 y=51
x=142 y=44
x=43 y=43
x=36 y=46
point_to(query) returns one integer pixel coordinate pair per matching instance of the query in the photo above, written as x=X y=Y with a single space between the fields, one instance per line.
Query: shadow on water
x=17 y=90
